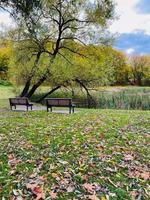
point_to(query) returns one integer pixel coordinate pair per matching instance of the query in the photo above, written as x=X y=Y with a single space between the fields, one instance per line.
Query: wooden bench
x=20 y=101
x=60 y=102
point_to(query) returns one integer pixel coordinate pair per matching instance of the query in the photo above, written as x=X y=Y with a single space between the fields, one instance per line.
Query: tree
x=5 y=51
x=120 y=65
x=86 y=72
x=47 y=27
x=140 y=69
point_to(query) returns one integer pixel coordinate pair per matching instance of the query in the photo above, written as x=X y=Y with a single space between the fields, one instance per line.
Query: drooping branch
x=49 y=93
x=91 y=101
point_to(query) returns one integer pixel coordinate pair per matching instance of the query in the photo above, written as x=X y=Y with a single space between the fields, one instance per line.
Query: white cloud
x=5 y=19
x=129 y=19
x=130 y=51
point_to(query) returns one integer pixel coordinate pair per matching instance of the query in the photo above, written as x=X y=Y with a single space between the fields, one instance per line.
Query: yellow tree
x=5 y=53
x=140 y=69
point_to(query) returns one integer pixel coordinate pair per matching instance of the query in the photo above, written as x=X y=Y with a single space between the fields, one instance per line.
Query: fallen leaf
x=30 y=186
x=145 y=175
x=128 y=157
x=133 y=194
x=11 y=156
x=12 y=161
x=37 y=190
x=70 y=189
x=56 y=176
x=89 y=187
x=103 y=198
x=30 y=161
x=42 y=178
x=63 y=162
x=53 y=195
x=93 y=197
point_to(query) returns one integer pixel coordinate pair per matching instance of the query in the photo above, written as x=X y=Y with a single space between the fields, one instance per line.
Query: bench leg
x=70 y=110
x=15 y=107
x=27 y=108
x=31 y=107
x=73 y=109
x=48 y=109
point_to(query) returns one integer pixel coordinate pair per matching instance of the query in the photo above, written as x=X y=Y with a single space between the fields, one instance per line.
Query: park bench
x=60 y=102
x=20 y=101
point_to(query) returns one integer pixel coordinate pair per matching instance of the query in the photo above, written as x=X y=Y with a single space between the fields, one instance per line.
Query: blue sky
x=132 y=27
x=143 y=7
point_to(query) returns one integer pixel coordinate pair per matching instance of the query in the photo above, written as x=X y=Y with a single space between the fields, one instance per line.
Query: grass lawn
x=5 y=93
x=93 y=154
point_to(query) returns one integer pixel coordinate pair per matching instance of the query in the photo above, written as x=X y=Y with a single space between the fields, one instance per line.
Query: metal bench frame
x=60 y=102
x=20 y=101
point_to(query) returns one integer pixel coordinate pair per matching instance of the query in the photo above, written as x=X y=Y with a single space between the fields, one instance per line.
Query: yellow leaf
x=103 y=198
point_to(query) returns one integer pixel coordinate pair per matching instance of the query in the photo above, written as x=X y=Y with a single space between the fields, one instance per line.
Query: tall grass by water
x=104 y=97
x=107 y=98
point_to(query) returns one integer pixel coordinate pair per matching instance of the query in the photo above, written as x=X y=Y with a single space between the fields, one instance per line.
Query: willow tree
x=47 y=27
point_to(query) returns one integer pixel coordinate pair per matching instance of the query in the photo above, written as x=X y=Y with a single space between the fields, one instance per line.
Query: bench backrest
x=58 y=101
x=19 y=101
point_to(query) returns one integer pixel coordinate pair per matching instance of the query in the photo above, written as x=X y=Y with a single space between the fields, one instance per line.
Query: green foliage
x=95 y=65
x=5 y=50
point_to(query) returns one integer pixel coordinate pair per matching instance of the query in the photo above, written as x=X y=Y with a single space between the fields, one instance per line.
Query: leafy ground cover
x=93 y=154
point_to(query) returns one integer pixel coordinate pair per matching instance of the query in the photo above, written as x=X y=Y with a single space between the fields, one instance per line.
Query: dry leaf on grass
x=128 y=157
x=53 y=195
x=89 y=187
x=37 y=190
x=133 y=194
x=93 y=197
x=145 y=175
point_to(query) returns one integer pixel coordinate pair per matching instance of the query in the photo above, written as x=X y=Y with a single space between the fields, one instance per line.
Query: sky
x=132 y=28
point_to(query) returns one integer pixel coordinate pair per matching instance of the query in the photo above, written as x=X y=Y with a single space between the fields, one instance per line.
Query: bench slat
x=20 y=101
x=60 y=102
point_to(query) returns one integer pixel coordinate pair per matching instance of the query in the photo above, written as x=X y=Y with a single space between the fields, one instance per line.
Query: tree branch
x=71 y=50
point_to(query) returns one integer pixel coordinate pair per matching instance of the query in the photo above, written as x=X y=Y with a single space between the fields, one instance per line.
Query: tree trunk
x=139 y=80
x=47 y=94
x=26 y=88
x=28 y=82
x=41 y=80
x=35 y=86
